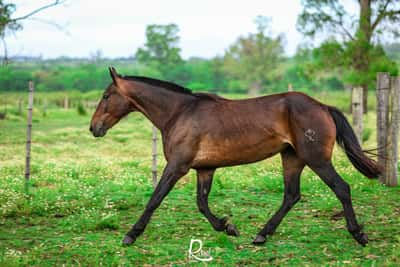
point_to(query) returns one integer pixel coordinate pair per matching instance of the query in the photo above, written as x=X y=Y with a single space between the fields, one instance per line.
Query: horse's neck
x=159 y=105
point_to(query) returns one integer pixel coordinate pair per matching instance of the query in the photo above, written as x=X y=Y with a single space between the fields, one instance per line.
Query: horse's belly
x=232 y=152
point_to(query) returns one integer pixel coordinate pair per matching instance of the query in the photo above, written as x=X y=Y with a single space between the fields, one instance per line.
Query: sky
x=117 y=28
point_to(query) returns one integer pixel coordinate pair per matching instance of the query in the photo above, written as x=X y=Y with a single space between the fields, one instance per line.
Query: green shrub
x=81 y=109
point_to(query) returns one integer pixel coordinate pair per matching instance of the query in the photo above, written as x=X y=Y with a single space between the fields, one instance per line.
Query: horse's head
x=112 y=107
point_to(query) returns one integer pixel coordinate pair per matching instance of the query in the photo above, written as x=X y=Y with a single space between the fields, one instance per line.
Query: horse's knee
x=292 y=199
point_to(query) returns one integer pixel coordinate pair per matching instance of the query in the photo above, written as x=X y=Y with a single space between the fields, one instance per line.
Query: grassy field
x=85 y=193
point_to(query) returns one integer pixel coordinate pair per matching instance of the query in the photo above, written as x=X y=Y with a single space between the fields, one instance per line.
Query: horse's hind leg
x=204 y=182
x=292 y=168
x=342 y=190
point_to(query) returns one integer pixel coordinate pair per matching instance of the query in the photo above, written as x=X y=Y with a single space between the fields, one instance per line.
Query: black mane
x=172 y=87
x=159 y=83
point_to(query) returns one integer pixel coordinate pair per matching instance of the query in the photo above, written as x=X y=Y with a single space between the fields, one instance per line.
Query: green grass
x=85 y=193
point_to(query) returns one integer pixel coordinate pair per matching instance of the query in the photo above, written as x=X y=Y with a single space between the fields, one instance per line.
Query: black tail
x=347 y=139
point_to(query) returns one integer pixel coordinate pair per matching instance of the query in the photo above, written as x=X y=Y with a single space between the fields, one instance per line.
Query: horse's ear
x=114 y=75
x=118 y=81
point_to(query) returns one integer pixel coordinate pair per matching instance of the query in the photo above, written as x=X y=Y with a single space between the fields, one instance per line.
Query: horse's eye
x=105 y=97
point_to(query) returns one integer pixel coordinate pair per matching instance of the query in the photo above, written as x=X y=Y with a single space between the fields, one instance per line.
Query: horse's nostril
x=91 y=128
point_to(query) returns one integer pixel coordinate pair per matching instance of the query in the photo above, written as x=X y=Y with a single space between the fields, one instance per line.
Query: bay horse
x=204 y=132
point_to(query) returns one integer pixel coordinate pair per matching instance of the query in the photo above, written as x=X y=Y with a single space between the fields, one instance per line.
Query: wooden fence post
x=19 y=106
x=45 y=107
x=382 y=113
x=154 y=154
x=357 y=110
x=29 y=138
x=66 y=102
x=391 y=171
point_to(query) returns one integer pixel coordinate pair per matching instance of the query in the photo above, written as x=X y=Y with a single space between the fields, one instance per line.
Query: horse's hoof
x=231 y=230
x=128 y=240
x=361 y=238
x=259 y=240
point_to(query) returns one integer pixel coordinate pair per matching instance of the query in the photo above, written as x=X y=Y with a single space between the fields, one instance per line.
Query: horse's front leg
x=171 y=175
x=204 y=182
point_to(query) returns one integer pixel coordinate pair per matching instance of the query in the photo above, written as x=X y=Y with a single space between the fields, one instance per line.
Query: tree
x=6 y=22
x=161 y=50
x=12 y=24
x=252 y=59
x=357 y=35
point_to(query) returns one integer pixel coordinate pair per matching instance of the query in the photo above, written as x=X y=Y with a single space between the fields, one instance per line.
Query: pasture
x=85 y=193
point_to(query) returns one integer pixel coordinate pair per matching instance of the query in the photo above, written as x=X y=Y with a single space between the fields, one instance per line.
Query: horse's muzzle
x=98 y=130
